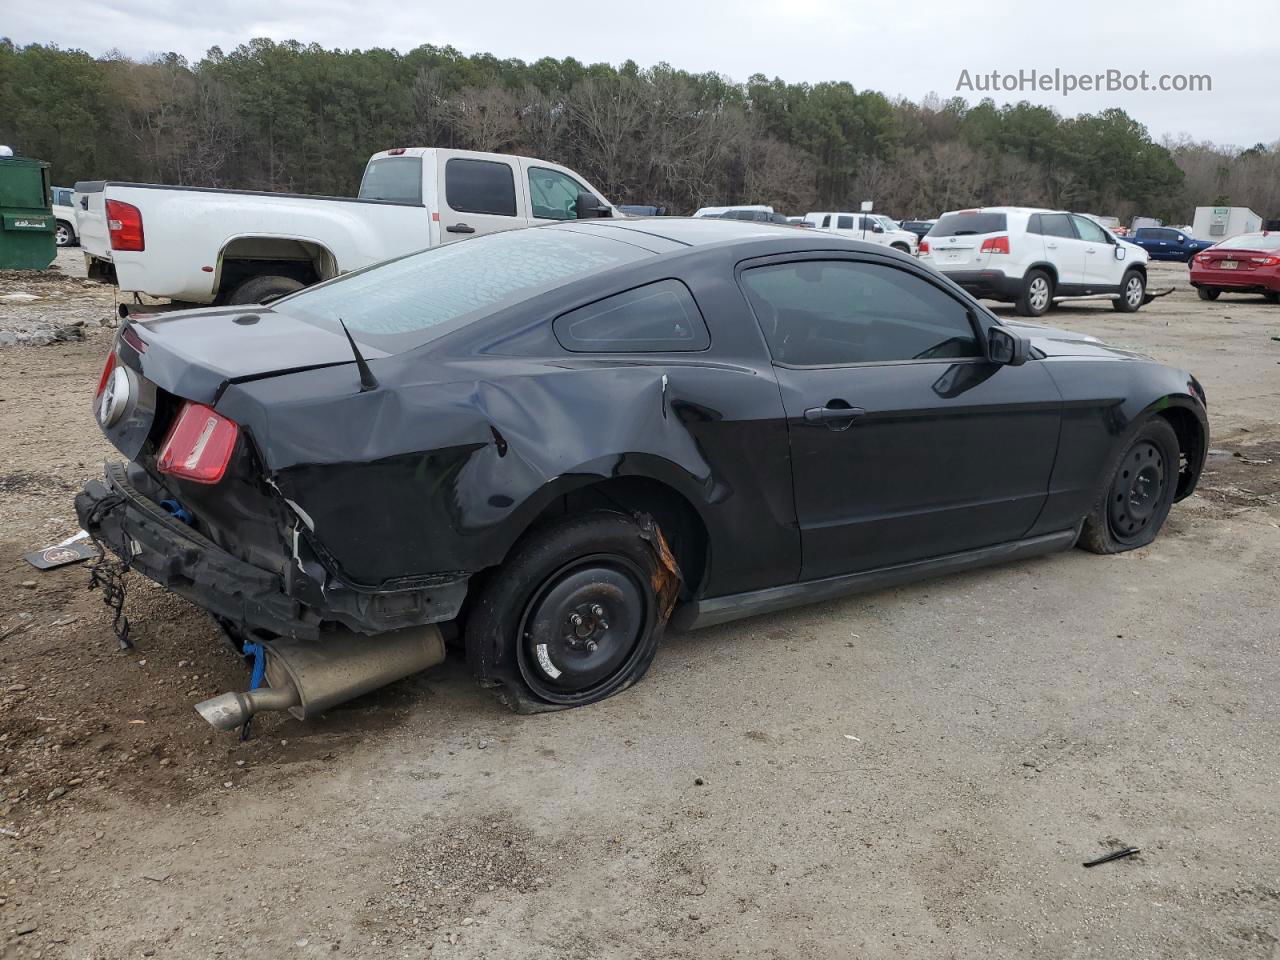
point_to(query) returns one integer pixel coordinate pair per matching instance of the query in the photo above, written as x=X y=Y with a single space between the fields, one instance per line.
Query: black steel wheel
x=574 y=615
x=582 y=626
x=1138 y=494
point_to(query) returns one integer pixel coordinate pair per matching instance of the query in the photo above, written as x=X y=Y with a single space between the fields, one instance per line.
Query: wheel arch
x=1044 y=266
x=1192 y=439
x=245 y=256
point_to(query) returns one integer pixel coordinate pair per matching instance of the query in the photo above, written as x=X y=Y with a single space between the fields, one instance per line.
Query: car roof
x=1018 y=210
x=688 y=231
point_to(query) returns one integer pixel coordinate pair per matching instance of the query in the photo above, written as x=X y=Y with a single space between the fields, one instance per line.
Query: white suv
x=871 y=227
x=1033 y=258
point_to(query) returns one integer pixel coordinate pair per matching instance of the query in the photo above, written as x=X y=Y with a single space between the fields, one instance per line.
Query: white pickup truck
x=201 y=245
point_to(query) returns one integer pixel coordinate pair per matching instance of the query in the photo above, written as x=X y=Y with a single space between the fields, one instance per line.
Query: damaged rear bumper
x=294 y=604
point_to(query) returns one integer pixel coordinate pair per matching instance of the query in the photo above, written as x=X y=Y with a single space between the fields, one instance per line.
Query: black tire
x=1036 y=298
x=263 y=289
x=1271 y=296
x=1207 y=293
x=598 y=567
x=1133 y=290
x=64 y=235
x=901 y=248
x=1137 y=493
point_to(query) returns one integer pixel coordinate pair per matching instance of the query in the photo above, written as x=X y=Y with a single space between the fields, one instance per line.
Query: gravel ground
x=914 y=773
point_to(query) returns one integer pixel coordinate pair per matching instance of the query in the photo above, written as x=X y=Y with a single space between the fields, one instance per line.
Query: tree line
x=294 y=117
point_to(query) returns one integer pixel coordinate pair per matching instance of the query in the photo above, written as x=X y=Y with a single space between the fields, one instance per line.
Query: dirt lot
x=915 y=773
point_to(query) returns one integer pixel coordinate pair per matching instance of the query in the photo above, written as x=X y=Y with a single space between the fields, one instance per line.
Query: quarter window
x=844 y=223
x=553 y=195
x=831 y=312
x=480 y=186
x=659 y=317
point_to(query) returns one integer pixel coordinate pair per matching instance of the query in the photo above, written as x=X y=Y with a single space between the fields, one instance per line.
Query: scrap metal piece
x=667 y=578
x=1113 y=855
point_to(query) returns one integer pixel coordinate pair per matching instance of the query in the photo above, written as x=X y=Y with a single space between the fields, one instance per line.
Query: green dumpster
x=27 y=226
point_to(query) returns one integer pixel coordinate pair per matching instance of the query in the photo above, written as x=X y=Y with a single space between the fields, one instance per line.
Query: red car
x=1249 y=263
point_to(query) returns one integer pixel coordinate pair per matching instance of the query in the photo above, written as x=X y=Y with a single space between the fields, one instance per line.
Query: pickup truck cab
x=870 y=227
x=1169 y=243
x=199 y=245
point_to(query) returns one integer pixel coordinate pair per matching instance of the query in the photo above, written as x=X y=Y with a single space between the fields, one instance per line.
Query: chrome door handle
x=460 y=228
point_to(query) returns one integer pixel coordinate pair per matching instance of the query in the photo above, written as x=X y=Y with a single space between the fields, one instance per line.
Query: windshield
x=398 y=179
x=969 y=223
x=1253 y=241
x=404 y=303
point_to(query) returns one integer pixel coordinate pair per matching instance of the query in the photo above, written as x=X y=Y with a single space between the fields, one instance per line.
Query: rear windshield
x=1252 y=241
x=393 y=178
x=967 y=224
x=404 y=303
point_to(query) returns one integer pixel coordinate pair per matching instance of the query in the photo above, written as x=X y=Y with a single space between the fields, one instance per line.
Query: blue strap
x=259 y=654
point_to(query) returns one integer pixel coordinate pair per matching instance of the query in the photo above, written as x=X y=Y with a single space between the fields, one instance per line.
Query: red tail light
x=1265 y=261
x=199 y=445
x=107 y=369
x=995 y=245
x=924 y=246
x=124 y=224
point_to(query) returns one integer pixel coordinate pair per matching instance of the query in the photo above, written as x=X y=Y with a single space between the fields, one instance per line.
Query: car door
x=906 y=442
x=1064 y=250
x=478 y=195
x=1102 y=271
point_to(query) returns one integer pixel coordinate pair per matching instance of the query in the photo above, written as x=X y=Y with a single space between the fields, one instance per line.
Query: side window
x=480 y=186
x=1089 y=230
x=826 y=221
x=1056 y=225
x=1033 y=223
x=827 y=312
x=659 y=317
x=844 y=223
x=553 y=195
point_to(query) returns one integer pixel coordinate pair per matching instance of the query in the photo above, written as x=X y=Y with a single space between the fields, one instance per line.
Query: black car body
x=780 y=415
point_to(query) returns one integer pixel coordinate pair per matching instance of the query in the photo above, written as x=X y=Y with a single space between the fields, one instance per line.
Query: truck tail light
x=199 y=445
x=995 y=245
x=924 y=246
x=107 y=369
x=124 y=224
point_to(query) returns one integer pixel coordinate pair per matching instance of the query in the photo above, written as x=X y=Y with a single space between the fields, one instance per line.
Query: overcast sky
x=908 y=48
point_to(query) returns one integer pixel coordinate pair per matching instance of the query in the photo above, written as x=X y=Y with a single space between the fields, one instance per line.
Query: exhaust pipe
x=308 y=677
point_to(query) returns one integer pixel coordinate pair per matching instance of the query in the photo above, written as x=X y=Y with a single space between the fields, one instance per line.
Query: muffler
x=307 y=677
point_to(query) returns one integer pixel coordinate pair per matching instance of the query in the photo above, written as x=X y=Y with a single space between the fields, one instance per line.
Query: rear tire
x=1137 y=493
x=64 y=236
x=572 y=616
x=1207 y=293
x=1272 y=296
x=1037 y=294
x=1133 y=289
x=263 y=289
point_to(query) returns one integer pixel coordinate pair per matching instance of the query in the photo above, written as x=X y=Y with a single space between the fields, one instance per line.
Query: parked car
x=919 y=227
x=200 y=245
x=1249 y=263
x=869 y=227
x=1034 y=258
x=750 y=214
x=555 y=441
x=65 y=214
x=721 y=211
x=1169 y=243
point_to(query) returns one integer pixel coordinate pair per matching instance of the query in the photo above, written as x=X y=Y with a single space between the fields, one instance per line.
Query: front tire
x=1208 y=293
x=1133 y=289
x=901 y=248
x=1037 y=294
x=572 y=617
x=1138 y=492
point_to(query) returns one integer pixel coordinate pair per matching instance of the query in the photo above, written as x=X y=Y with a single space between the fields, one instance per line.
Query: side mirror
x=1005 y=347
x=588 y=206
x=1120 y=251
x=876 y=228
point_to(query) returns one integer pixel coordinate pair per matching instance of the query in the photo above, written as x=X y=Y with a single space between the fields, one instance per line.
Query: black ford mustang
x=545 y=444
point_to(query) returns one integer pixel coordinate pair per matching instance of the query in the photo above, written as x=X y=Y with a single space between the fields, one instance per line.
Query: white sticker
x=544 y=660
